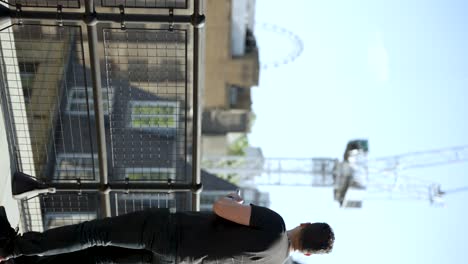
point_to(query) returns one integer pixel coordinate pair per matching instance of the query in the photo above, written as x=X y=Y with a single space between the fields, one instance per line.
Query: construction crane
x=352 y=178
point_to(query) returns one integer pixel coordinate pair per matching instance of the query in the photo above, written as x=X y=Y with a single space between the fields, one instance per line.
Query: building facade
x=232 y=69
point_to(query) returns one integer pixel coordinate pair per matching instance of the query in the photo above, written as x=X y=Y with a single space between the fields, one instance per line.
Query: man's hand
x=231 y=208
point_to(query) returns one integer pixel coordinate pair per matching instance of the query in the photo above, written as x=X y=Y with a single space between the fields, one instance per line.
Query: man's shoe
x=7 y=234
x=6 y=231
x=6 y=249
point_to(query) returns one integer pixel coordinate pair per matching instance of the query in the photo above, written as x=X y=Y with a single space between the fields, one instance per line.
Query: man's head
x=316 y=238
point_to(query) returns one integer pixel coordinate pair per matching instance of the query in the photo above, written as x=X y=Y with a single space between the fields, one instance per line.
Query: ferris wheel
x=278 y=46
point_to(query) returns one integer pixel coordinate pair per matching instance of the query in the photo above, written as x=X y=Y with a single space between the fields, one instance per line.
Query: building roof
x=212 y=182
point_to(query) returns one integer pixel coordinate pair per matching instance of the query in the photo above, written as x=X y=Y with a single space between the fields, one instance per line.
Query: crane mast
x=353 y=179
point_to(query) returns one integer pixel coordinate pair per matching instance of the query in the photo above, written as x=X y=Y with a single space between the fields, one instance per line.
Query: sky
x=393 y=72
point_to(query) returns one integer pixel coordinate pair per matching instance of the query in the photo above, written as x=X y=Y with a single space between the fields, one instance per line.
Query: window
x=159 y=115
x=153 y=174
x=239 y=97
x=125 y=203
x=141 y=70
x=72 y=166
x=233 y=96
x=76 y=104
x=58 y=219
x=27 y=73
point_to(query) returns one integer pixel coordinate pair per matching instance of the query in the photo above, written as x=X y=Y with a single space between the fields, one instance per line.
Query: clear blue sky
x=394 y=72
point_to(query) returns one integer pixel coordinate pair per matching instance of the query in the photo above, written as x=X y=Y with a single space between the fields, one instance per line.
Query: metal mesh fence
x=154 y=4
x=123 y=203
x=46 y=92
x=47 y=98
x=44 y=3
x=145 y=102
x=145 y=3
x=65 y=208
x=48 y=211
x=146 y=70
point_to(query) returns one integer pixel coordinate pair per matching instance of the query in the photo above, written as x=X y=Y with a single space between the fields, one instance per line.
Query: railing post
x=198 y=20
x=98 y=107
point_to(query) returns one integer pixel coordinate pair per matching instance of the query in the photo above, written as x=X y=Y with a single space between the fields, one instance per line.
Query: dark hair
x=317 y=238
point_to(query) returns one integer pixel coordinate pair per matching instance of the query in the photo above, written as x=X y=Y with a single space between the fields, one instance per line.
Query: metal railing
x=102 y=105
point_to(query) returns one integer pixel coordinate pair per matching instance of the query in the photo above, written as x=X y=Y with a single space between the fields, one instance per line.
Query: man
x=232 y=233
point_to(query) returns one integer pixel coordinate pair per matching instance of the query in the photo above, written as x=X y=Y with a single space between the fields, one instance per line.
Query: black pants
x=151 y=230
x=95 y=255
